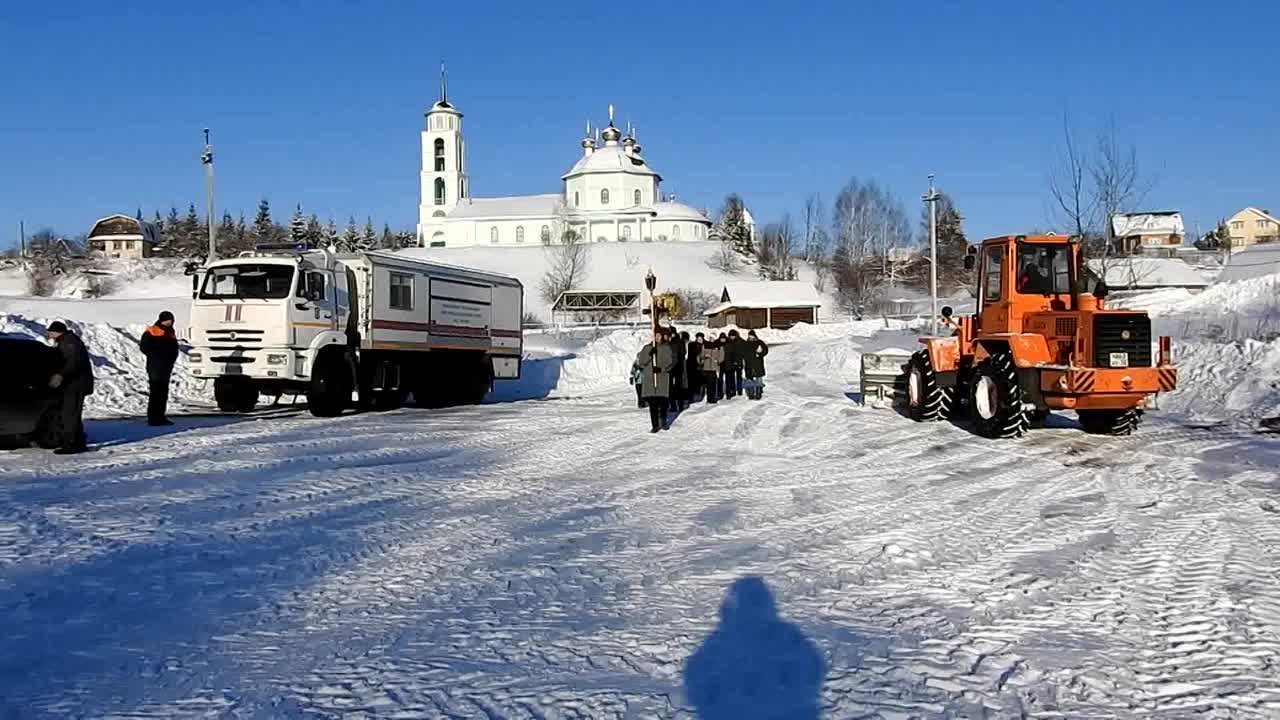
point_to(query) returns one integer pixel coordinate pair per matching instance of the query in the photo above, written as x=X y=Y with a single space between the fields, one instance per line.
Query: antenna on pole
x=207 y=158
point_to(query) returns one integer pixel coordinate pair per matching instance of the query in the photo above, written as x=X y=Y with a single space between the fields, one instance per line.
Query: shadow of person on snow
x=754 y=664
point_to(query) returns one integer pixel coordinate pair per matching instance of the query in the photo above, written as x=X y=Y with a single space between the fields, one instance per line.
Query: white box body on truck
x=375 y=327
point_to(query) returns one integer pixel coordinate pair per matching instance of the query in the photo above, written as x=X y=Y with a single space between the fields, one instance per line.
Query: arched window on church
x=575 y=199
x=626 y=233
x=604 y=196
x=493 y=234
x=675 y=232
x=637 y=198
x=545 y=235
x=439 y=155
x=520 y=234
x=439 y=191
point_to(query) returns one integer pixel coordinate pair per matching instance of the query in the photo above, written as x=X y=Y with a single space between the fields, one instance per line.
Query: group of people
x=72 y=382
x=674 y=371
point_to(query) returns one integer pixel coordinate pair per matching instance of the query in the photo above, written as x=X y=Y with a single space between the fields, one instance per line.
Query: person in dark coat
x=754 y=350
x=722 y=382
x=734 y=354
x=677 y=398
x=709 y=364
x=160 y=344
x=74 y=382
x=656 y=363
x=692 y=369
x=635 y=380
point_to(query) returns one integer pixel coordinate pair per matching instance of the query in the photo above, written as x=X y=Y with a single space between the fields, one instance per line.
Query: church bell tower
x=444 y=162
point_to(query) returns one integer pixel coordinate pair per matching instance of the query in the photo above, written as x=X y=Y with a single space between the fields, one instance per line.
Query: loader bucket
x=883 y=378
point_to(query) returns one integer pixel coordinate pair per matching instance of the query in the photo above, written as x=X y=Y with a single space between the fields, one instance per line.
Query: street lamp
x=931 y=197
x=207 y=159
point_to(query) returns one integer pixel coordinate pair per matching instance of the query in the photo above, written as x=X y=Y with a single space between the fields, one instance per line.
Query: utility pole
x=22 y=239
x=207 y=159
x=931 y=197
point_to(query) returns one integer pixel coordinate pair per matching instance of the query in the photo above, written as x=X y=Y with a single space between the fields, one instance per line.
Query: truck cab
x=258 y=321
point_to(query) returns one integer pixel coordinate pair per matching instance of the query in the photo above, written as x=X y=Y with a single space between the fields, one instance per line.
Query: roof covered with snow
x=678 y=211
x=1148 y=272
x=610 y=159
x=1252 y=262
x=767 y=294
x=1150 y=223
x=504 y=207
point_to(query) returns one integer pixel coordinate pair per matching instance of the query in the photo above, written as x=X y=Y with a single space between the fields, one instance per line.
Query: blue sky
x=321 y=102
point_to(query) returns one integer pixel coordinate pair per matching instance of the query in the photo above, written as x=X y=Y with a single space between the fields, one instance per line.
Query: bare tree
x=777 y=249
x=567 y=266
x=813 y=218
x=1089 y=188
x=867 y=223
x=726 y=259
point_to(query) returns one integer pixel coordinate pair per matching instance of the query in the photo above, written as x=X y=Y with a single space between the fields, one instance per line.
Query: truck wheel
x=235 y=395
x=330 y=389
x=477 y=384
x=996 y=400
x=1110 y=422
x=926 y=402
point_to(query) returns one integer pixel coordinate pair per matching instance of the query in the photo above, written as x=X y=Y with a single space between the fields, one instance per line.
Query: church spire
x=444 y=85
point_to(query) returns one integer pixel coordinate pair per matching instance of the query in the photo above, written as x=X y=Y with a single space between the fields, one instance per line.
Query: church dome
x=611 y=134
x=610 y=159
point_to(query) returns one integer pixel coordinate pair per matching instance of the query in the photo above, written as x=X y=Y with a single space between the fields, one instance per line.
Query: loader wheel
x=997 y=402
x=1110 y=422
x=926 y=402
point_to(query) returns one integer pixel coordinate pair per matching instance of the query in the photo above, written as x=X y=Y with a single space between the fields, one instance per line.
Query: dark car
x=27 y=412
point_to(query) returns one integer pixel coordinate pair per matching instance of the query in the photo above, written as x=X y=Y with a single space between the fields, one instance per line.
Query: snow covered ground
x=548 y=558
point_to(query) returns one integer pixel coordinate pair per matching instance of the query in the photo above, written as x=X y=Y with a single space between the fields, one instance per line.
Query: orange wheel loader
x=1039 y=342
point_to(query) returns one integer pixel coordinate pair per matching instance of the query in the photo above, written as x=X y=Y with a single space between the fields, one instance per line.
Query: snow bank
x=120 y=369
x=121 y=279
x=613 y=266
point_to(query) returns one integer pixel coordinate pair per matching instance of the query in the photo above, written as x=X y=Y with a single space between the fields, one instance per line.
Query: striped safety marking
x=1168 y=379
x=1082 y=381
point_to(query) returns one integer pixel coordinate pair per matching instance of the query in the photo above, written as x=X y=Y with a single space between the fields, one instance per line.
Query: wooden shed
x=765 y=304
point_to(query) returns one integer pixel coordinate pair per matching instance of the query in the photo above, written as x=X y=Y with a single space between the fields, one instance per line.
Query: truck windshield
x=257 y=282
x=1044 y=269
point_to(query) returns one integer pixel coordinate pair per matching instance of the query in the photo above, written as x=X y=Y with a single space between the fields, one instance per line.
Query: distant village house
x=1150 y=231
x=765 y=304
x=120 y=236
x=1251 y=226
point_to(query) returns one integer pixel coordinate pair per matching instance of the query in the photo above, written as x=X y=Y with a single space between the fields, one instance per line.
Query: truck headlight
x=194 y=357
x=277 y=359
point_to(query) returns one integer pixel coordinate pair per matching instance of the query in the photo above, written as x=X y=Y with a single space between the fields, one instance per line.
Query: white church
x=609 y=195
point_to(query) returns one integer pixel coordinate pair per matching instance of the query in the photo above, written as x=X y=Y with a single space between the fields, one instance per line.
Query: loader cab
x=1023 y=274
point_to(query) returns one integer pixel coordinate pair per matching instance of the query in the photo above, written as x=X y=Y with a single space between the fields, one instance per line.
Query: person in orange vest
x=160 y=344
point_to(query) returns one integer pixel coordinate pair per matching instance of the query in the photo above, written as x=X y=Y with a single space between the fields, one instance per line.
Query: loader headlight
x=194 y=357
x=277 y=359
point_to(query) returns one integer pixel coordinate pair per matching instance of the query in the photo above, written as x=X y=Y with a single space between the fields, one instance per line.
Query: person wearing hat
x=74 y=382
x=160 y=344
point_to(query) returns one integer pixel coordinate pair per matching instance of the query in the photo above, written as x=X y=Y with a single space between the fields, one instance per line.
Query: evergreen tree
x=314 y=235
x=226 y=234
x=388 y=241
x=298 y=226
x=406 y=238
x=731 y=228
x=330 y=235
x=173 y=232
x=264 y=229
x=194 y=234
x=350 y=239
x=369 y=238
x=952 y=244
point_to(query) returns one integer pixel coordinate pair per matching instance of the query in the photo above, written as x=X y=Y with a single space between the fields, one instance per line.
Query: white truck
x=371 y=327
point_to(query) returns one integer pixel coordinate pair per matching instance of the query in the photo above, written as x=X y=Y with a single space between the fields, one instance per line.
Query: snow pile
x=1237 y=381
x=117 y=278
x=120 y=369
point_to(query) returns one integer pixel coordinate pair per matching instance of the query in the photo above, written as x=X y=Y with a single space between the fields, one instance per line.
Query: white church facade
x=609 y=195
